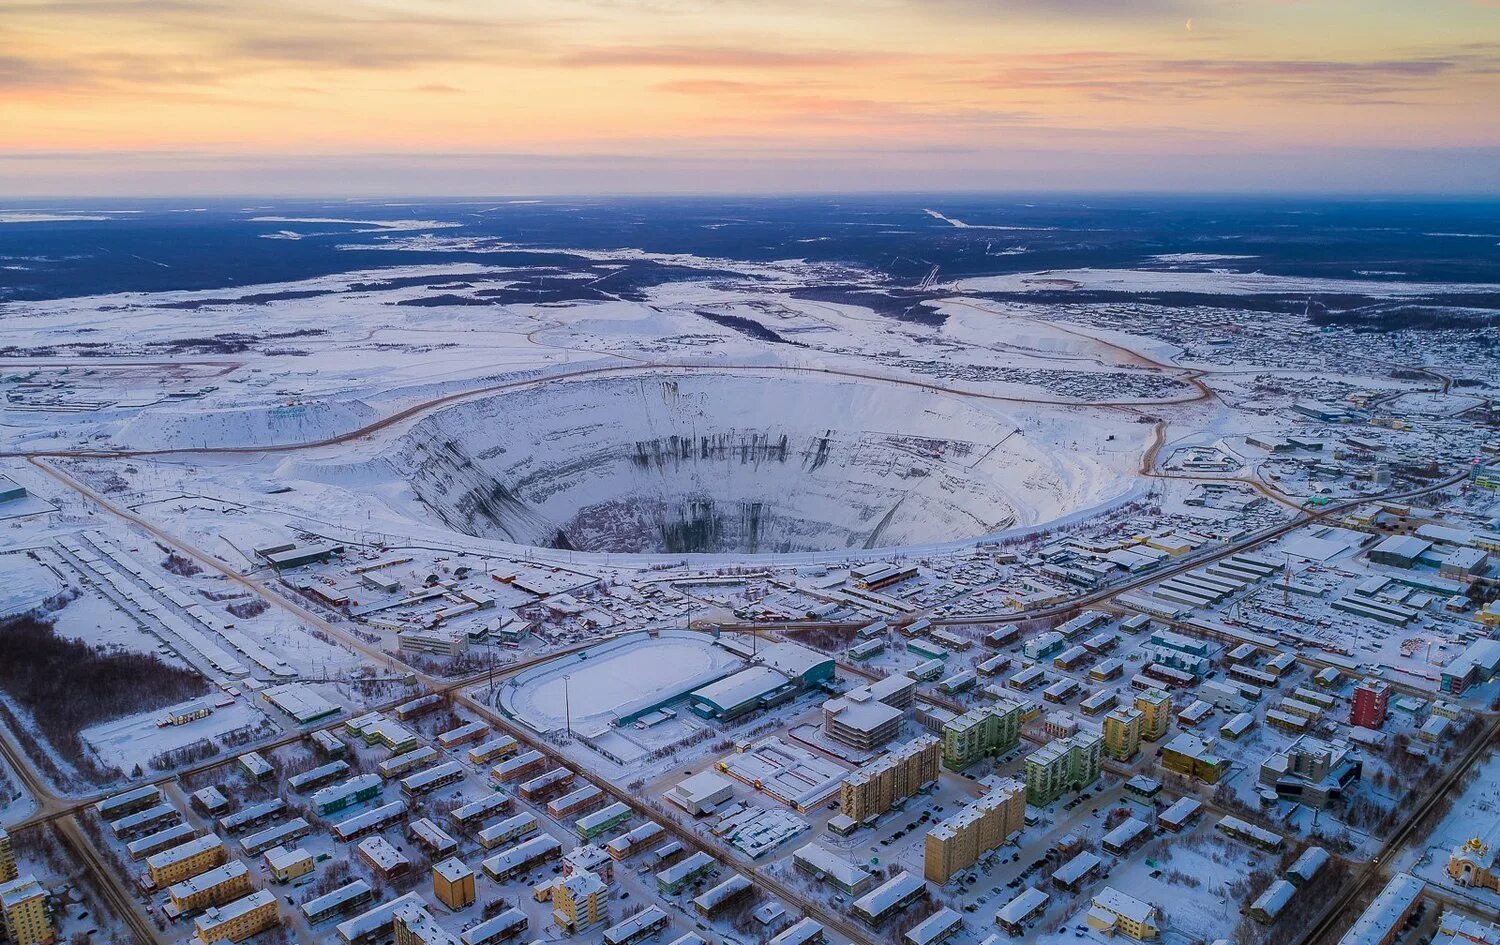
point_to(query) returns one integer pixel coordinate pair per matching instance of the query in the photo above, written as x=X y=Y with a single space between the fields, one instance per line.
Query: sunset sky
x=107 y=97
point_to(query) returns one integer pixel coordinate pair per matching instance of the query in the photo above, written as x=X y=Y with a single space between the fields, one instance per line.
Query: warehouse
x=752 y=688
x=890 y=897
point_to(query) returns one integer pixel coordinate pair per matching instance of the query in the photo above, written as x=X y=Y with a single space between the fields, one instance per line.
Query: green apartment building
x=989 y=730
x=1068 y=764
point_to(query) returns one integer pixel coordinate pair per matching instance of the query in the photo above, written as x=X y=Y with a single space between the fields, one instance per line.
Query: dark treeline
x=67 y=685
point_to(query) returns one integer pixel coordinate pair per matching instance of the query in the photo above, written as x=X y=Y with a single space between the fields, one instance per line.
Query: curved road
x=431 y=404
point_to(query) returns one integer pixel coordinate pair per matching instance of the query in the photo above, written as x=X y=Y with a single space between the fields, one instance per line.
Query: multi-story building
x=23 y=905
x=1063 y=765
x=412 y=924
x=878 y=786
x=958 y=842
x=8 y=868
x=219 y=885
x=1312 y=771
x=1369 y=706
x=1156 y=706
x=1190 y=755
x=439 y=641
x=238 y=920
x=185 y=860
x=453 y=883
x=7 y=858
x=580 y=902
x=1122 y=732
x=337 y=797
x=988 y=730
x=286 y=865
x=860 y=720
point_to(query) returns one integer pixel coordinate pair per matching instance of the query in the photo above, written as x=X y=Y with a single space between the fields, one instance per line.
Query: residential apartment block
x=1063 y=765
x=878 y=786
x=988 y=730
x=958 y=842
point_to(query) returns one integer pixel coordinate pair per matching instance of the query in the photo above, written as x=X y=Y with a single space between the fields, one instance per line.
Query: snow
x=134 y=739
x=739 y=462
x=602 y=681
x=24 y=583
x=1218 y=282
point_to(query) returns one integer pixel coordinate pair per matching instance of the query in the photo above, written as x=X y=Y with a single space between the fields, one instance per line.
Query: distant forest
x=67 y=685
x=1384 y=318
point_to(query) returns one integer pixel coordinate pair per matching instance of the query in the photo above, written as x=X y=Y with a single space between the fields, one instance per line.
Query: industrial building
x=699 y=794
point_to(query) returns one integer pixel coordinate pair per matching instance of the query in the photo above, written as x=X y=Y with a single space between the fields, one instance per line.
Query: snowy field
x=126 y=742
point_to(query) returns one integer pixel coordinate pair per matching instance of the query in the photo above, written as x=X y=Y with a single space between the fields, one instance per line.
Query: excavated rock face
x=730 y=463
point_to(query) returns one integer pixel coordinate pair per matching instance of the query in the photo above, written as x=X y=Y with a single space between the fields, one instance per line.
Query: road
x=1178 y=566
x=122 y=897
x=651 y=368
x=121 y=901
x=118 y=892
x=1373 y=872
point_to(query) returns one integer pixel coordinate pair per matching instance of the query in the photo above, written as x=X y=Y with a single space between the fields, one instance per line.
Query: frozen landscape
x=771 y=570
